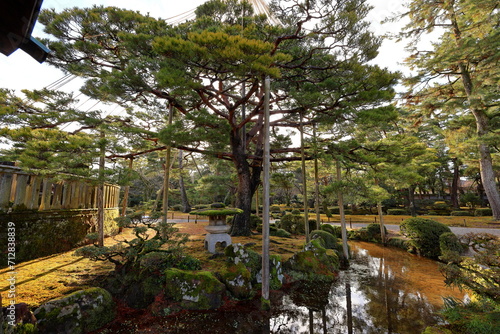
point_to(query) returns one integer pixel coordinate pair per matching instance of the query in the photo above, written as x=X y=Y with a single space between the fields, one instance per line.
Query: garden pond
x=385 y=290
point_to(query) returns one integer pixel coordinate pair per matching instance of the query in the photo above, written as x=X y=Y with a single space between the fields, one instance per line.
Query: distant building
x=17 y=19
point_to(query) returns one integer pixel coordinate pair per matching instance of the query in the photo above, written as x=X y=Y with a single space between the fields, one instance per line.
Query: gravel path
x=454 y=229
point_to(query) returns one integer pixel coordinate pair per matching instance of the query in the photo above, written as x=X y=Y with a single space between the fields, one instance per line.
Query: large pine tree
x=211 y=67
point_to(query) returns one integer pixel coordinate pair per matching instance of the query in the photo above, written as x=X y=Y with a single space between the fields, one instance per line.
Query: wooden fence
x=20 y=190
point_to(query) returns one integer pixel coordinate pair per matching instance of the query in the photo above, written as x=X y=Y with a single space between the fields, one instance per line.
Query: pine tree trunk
x=482 y=121
x=454 y=185
x=248 y=181
x=186 y=207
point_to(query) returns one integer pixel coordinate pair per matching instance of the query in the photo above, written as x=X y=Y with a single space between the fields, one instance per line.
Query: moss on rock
x=194 y=290
x=237 y=253
x=314 y=262
x=237 y=280
x=80 y=312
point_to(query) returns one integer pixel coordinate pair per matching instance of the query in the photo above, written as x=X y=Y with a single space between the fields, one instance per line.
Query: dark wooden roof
x=17 y=19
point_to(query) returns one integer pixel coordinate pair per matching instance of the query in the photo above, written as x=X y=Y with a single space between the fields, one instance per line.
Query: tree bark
x=454 y=185
x=186 y=207
x=248 y=181
x=478 y=110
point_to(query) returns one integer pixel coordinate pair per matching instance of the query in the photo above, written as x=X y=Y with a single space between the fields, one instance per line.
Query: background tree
x=459 y=74
x=317 y=59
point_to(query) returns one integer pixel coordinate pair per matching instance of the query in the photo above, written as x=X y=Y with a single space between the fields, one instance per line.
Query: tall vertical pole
x=166 y=177
x=265 y=191
x=316 y=180
x=127 y=188
x=100 y=192
x=304 y=179
x=342 y=213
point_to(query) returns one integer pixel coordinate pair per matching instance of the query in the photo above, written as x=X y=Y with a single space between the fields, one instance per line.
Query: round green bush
x=329 y=239
x=280 y=233
x=461 y=213
x=294 y=224
x=217 y=205
x=397 y=212
x=177 y=207
x=288 y=221
x=275 y=209
x=373 y=231
x=424 y=235
x=333 y=229
x=449 y=242
x=483 y=212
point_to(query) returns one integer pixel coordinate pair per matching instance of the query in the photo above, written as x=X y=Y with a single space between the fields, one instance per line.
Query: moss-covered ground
x=54 y=276
x=40 y=280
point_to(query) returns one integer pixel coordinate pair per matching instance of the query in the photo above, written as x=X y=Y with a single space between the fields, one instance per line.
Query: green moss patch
x=194 y=290
x=80 y=312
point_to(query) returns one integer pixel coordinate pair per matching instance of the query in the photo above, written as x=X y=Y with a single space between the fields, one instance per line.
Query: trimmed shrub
x=373 y=231
x=177 y=207
x=294 y=224
x=275 y=209
x=483 y=212
x=280 y=233
x=255 y=221
x=397 y=212
x=288 y=222
x=424 y=235
x=461 y=213
x=329 y=239
x=334 y=210
x=295 y=212
x=448 y=242
x=333 y=229
x=398 y=242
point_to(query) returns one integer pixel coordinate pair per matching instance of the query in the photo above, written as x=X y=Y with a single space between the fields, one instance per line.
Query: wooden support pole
x=265 y=191
x=166 y=177
x=100 y=192
x=343 y=225
x=304 y=179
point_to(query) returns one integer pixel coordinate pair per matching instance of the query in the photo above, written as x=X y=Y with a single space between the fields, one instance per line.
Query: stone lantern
x=217 y=228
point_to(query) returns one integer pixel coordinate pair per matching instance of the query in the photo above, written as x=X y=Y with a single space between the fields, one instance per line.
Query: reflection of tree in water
x=383 y=285
x=382 y=301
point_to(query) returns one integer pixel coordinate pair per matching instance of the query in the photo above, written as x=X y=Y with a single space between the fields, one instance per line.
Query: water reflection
x=385 y=290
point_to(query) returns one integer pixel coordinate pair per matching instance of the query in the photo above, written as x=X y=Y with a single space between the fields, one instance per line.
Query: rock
x=141 y=293
x=80 y=312
x=194 y=290
x=237 y=253
x=314 y=262
x=276 y=272
x=237 y=280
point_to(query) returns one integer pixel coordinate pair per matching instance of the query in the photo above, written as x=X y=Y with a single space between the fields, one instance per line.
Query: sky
x=20 y=71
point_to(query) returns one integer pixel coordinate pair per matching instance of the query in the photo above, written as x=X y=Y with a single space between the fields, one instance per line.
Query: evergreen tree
x=211 y=67
x=459 y=74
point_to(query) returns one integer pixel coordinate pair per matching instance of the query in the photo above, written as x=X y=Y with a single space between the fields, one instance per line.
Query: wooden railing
x=20 y=190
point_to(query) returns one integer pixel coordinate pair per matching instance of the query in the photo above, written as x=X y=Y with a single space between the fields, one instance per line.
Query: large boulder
x=81 y=312
x=194 y=290
x=237 y=253
x=313 y=263
x=237 y=280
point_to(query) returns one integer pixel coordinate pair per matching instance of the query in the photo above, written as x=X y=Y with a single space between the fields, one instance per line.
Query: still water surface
x=385 y=290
